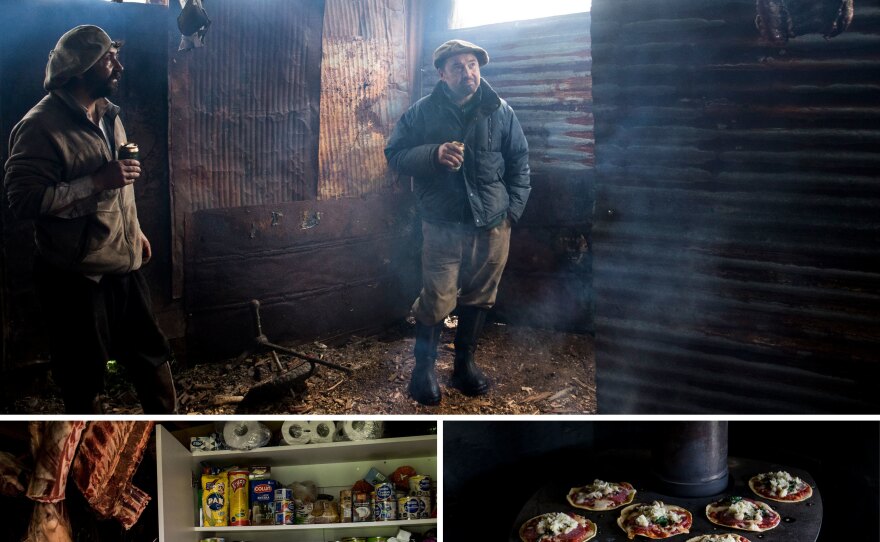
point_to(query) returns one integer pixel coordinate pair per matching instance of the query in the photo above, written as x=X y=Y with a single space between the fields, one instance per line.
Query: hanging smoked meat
x=108 y=457
x=780 y=20
x=53 y=446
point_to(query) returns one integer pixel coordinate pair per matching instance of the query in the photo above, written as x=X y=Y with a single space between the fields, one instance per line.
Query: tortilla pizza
x=729 y=537
x=557 y=527
x=780 y=486
x=655 y=520
x=601 y=495
x=742 y=513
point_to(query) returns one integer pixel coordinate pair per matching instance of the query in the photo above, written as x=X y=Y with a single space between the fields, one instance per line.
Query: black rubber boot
x=155 y=389
x=466 y=376
x=423 y=385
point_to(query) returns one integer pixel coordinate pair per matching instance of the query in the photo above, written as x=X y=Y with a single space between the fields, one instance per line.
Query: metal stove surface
x=801 y=522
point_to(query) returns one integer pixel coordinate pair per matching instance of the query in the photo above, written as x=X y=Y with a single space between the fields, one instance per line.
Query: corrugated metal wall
x=543 y=69
x=245 y=110
x=364 y=90
x=737 y=226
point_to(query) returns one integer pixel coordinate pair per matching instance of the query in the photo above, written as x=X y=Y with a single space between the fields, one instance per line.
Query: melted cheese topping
x=743 y=510
x=599 y=489
x=556 y=524
x=782 y=483
x=720 y=538
x=656 y=512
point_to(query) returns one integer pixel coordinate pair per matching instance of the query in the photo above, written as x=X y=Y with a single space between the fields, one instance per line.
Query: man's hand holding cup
x=117 y=174
x=451 y=155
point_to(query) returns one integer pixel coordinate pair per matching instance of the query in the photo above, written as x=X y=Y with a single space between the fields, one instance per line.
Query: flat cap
x=77 y=51
x=457 y=47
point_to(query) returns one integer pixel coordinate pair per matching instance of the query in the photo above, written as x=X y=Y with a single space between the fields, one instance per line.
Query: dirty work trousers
x=89 y=323
x=460 y=266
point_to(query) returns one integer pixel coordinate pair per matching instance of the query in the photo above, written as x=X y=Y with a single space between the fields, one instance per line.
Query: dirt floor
x=533 y=372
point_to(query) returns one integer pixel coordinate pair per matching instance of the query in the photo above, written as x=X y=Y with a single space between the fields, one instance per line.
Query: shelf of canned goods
x=333 y=467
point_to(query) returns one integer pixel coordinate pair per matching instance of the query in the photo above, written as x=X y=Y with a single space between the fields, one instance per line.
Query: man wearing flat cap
x=63 y=173
x=466 y=151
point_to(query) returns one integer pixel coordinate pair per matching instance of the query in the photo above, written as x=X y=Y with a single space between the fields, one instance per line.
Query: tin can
x=284 y=512
x=239 y=498
x=284 y=494
x=385 y=492
x=361 y=507
x=384 y=511
x=129 y=151
x=408 y=508
x=345 y=506
x=285 y=517
x=282 y=506
x=424 y=506
x=419 y=485
x=303 y=511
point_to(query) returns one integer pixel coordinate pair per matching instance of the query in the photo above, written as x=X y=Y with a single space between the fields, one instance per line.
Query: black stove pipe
x=689 y=459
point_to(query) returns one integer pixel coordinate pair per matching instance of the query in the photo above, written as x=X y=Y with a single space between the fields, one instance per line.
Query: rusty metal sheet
x=735 y=240
x=245 y=110
x=319 y=268
x=542 y=68
x=364 y=90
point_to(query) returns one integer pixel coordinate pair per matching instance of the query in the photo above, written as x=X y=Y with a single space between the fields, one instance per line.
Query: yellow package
x=215 y=499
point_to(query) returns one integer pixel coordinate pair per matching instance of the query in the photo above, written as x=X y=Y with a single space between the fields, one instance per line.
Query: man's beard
x=462 y=89
x=105 y=88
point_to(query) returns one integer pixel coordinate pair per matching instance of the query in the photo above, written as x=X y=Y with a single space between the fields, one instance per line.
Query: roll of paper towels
x=323 y=431
x=245 y=435
x=360 y=430
x=297 y=432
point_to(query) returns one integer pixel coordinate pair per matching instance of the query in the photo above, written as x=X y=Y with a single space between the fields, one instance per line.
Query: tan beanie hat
x=77 y=51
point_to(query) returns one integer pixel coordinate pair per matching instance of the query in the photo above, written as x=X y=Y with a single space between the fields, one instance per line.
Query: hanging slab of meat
x=49 y=523
x=109 y=455
x=129 y=508
x=779 y=20
x=53 y=445
x=842 y=20
x=773 y=21
x=13 y=475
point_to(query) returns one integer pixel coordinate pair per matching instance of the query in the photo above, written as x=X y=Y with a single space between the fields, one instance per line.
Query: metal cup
x=460 y=146
x=128 y=151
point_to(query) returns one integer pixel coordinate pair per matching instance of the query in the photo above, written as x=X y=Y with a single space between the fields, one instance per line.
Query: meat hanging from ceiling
x=779 y=20
x=109 y=455
x=53 y=446
x=100 y=456
x=14 y=475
